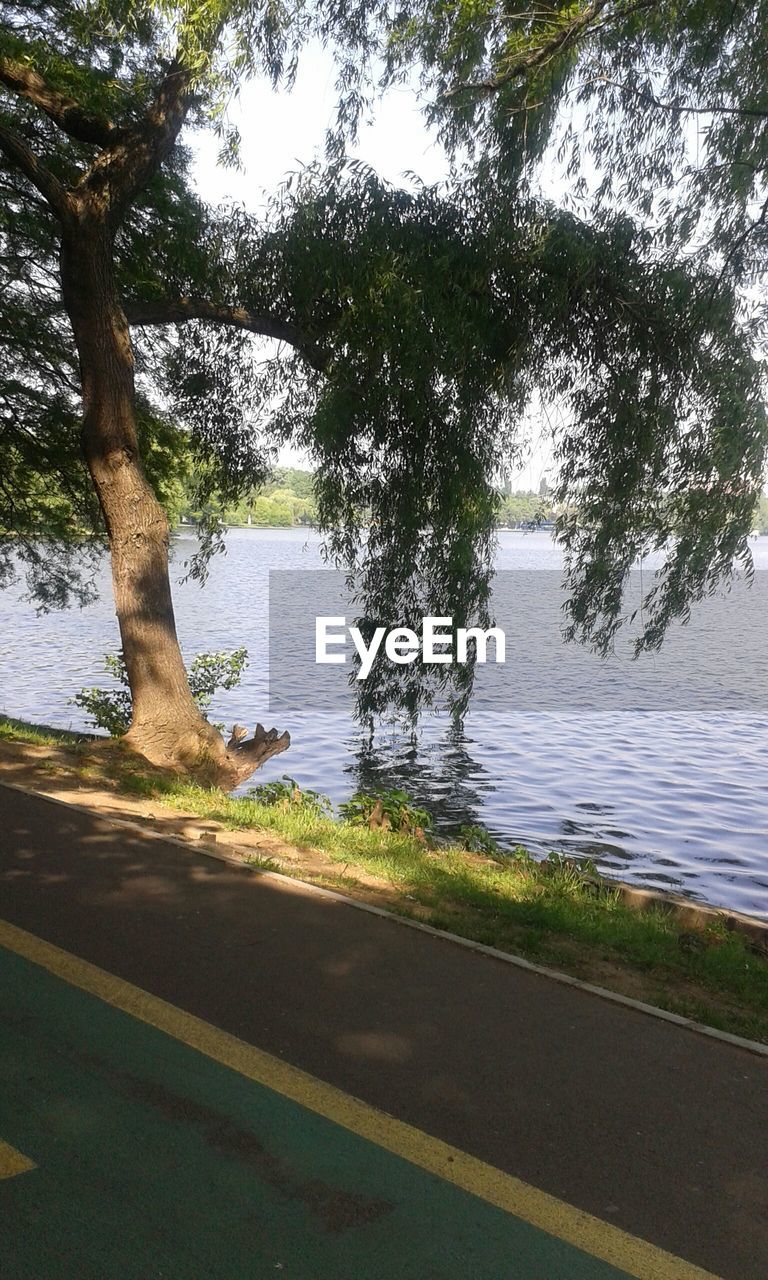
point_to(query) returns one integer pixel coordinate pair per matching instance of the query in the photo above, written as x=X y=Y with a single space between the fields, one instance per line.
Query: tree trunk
x=167 y=726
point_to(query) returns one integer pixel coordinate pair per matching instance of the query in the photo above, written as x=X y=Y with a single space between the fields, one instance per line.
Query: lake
x=655 y=769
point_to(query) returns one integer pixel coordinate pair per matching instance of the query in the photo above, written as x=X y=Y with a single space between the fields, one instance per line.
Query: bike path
x=594 y=1124
x=138 y=1156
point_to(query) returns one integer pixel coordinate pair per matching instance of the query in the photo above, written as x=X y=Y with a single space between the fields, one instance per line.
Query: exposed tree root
x=199 y=751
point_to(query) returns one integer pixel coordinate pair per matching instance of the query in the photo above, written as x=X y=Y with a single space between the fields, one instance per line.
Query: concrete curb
x=232 y=858
x=693 y=915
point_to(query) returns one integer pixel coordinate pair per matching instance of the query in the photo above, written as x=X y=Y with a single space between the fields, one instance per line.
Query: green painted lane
x=155 y=1161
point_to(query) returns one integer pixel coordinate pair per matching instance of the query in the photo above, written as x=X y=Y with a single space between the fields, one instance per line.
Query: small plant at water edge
x=110 y=709
x=389 y=810
x=477 y=839
x=287 y=794
x=571 y=873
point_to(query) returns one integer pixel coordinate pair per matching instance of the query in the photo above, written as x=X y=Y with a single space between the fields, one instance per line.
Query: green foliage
x=110 y=709
x=761 y=516
x=393 y=810
x=570 y=873
x=42 y=735
x=663 y=438
x=287 y=498
x=284 y=500
x=288 y=795
x=522 y=508
x=477 y=839
x=270 y=513
x=658 y=112
x=46 y=500
x=521 y=855
x=298 y=483
x=262 y=862
x=662 y=109
x=210 y=672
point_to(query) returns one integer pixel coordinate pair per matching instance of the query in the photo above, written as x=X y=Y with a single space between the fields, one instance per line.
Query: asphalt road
x=649 y=1127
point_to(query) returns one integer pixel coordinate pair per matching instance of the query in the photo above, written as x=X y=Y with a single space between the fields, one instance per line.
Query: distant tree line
x=288 y=500
x=761 y=515
x=523 y=507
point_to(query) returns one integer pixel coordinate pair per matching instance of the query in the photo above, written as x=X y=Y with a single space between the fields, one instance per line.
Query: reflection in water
x=440 y=776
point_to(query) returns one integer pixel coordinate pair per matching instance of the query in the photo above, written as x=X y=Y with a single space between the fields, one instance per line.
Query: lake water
x=655 y=769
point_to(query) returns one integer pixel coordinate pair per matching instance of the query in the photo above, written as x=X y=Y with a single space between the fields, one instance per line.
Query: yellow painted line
x=13 y=1162
x=601 y=1240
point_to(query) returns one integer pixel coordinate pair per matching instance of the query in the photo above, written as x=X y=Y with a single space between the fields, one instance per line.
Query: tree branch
x=133 y=155
x=181 y=310
x=129 y=155
x=560 y=38
x=761 y=113
x=20 y=155
x=738 y=245
x=79 y=124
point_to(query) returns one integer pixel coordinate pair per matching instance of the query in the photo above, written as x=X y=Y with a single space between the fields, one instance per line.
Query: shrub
x=476 y=839
x=392 y=810
x=110 y=709
x=287 y=794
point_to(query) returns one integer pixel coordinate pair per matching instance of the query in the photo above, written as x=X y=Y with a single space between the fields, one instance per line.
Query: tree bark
x=167 y=726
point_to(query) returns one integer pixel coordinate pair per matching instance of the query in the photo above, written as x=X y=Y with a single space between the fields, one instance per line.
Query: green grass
x=41 y=735
x=549 y=914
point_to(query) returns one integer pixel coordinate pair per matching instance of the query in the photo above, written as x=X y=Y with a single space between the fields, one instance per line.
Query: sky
x=281 y=131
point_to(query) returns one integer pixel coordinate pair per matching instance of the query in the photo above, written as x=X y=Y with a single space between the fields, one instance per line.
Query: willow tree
x=658 y=112
x=413 y=329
